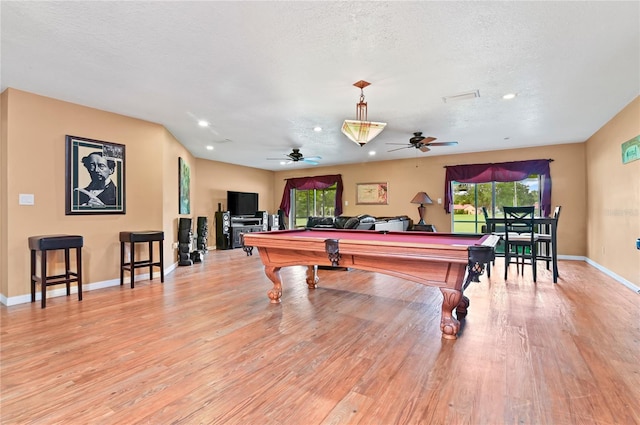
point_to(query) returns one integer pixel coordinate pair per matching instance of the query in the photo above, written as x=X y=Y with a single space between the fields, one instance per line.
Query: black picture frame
x=95 y=177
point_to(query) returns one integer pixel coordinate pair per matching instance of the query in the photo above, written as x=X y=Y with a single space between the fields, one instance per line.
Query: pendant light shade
x=360 y=130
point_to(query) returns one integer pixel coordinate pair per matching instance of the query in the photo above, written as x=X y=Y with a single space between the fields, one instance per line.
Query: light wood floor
x=208 y=347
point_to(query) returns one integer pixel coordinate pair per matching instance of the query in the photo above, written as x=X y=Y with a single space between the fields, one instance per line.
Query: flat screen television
x=242 y=203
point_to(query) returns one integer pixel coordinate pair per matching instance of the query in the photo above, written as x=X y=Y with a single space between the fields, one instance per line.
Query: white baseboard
x=611 y=274
x=62 y=290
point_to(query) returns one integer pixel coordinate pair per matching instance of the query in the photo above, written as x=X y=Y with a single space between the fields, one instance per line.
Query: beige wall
x=614 y=196
x=32 y=160
x=215 y=178
x=33 y=138
x=36 y=129
x=427 y=173
x=3 y=194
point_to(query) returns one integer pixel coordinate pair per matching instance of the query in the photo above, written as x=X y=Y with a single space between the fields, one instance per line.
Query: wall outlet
x=439 y=200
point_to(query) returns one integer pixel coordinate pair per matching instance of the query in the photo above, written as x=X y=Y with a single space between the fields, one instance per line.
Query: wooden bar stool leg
x=132 y=247
x=33 y=273
x=67 y=271
x=79 y=271
x=150 y=260
x=161 y=261
x=43 y=278
x=121 y=263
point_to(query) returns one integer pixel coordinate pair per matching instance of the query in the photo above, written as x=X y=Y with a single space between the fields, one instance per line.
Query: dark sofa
x=362 y=222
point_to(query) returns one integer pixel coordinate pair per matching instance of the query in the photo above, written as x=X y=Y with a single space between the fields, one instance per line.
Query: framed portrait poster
x=95 y=180
x=184 y=187
x=372 y=193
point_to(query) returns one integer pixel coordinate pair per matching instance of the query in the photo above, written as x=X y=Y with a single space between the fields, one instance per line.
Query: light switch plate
x=26 y=199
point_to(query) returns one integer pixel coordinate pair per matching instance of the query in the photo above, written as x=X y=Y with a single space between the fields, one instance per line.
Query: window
x=469 y=198
x=313 y=199
x=313 y=202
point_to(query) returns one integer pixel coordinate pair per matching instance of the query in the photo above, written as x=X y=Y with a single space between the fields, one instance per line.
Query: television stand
x=241 y=225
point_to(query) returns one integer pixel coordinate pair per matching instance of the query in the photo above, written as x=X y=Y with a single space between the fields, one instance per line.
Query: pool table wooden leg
x=449 y=325
x=312 y=277
x=275 y=293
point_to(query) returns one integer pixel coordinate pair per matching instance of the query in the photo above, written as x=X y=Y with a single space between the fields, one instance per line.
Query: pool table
x=445 y=260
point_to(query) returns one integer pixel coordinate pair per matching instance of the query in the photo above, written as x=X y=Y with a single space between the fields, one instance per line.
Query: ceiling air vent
x=461 y=96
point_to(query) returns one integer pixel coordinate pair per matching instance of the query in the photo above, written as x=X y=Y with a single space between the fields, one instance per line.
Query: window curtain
x=308 y=183
x=500 y=172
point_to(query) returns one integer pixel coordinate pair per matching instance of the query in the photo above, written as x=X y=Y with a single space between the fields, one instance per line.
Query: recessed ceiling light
x=372 y=153
x=209 y=148
x=317 y=128
x=509 y=96
x=203 y=123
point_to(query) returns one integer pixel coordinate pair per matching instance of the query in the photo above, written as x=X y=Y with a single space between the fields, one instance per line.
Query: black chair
x=491 y=228
x=544 y=239
x=520 y=240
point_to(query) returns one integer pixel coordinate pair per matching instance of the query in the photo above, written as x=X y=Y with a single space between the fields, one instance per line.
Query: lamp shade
x=421 y=198
x=362 y=132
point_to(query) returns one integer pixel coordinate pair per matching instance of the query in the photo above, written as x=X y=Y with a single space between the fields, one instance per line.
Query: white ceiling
x=264 y=74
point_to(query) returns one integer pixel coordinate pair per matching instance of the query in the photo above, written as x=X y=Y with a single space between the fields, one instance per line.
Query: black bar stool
x=51 y=243
x=132 y=238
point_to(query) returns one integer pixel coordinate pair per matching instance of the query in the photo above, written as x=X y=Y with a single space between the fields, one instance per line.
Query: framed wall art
x=184 y=187
x=631 y=150
x=95 y=178
x=372 y=193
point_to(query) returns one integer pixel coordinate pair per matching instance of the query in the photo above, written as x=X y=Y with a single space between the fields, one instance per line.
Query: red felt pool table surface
x=433 y=259
x=390 y=237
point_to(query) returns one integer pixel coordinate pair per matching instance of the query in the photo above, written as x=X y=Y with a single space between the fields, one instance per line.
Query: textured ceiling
x=264 y=74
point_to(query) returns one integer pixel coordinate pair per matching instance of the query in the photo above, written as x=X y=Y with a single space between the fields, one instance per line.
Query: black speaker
x=274 y=222
x=184 y=242
x=264 y=216
x=223 y=230
x=202 y=234
x=281 y=225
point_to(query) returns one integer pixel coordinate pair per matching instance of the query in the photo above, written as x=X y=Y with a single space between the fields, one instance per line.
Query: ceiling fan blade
x=313 y=158
x=428 y=140
x=443 y=144
x=424 y=148
x=309 y=161
x=397 y=149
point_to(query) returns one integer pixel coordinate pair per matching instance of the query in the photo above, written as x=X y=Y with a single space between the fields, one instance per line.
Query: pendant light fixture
x=361 y=130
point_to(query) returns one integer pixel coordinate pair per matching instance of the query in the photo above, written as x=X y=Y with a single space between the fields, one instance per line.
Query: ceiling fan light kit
x=360 y=130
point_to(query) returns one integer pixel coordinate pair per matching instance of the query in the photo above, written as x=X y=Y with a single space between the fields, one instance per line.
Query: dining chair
x=544 y=239
x=521 y=242
x=492 y=229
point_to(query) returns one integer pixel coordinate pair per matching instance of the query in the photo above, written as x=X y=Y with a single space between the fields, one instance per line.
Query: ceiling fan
x=418 y=141
x=296 y=156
